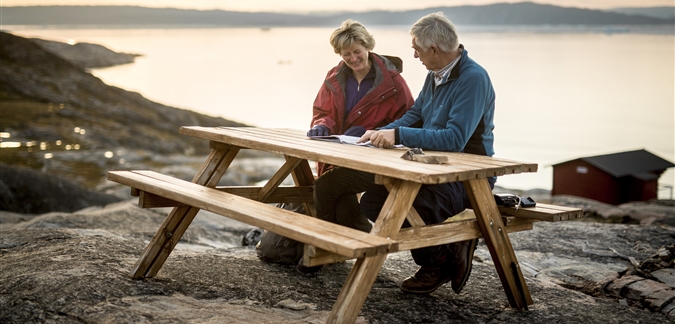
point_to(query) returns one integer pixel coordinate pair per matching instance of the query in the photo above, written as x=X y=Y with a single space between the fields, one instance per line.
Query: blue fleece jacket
x=456 y=116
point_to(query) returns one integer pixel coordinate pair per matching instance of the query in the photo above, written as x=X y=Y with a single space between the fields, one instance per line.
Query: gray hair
x=437 y=30
x=351 y=32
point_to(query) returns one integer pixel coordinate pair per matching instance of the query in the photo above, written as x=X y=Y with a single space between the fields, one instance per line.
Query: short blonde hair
x=435 y=29
x=350 y=32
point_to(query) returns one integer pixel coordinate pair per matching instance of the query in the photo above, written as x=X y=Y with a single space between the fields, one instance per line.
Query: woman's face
x=356 y=57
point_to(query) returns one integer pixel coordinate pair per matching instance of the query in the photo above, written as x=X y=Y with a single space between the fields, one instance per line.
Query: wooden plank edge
x=417 y=237
x=136 y=179
x=282 y=194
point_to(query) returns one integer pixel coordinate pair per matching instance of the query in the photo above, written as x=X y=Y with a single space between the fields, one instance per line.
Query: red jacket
x=387 y=101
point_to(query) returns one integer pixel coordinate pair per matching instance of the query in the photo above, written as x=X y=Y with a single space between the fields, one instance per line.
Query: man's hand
x=366 y=136
x=385 y=138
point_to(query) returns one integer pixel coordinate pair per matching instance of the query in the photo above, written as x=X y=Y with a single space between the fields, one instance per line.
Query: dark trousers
x=335 y=197
x=434 y=203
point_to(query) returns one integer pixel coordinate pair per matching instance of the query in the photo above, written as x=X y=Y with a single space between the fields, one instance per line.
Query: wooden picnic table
x=327 y=242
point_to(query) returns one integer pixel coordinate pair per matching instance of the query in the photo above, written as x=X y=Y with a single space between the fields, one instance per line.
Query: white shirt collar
x=440 y=75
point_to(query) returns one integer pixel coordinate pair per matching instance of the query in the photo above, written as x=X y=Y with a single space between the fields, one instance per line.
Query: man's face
x=427 y=57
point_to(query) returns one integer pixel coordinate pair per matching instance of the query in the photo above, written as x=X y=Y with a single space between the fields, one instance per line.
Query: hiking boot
x=426 y=280
x=461 y=257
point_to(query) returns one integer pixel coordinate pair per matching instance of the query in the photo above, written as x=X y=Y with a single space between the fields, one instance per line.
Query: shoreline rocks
x=60 y=266
x=86 y=55
x=28 y=191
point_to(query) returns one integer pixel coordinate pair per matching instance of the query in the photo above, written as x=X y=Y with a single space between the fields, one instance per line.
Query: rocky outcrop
x=647 y=284
x=68 y=122
x=67 y=267
x=28 y=191
x=656 y=212
x=86 y=55
x=46 y=97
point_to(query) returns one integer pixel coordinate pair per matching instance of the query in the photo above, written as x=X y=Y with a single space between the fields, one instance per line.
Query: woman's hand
x=318 y=130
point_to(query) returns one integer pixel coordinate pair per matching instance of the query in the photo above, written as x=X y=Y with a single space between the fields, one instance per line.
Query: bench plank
x=148 y=200
x=309 y=230
x=301 y=194
x=410 y=238
x=544 y=212
x=451 y=231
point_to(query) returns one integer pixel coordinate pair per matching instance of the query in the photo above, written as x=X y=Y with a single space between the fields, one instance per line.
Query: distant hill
x=525 y=13
x=45 y=97
x=86 y=55
x=656 y=12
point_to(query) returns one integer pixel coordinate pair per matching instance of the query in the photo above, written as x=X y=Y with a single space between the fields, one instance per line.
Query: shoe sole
x=472 y=248
x=428 y=291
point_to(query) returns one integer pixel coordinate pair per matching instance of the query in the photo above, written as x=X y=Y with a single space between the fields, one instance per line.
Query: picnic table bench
x=325 y=235
x=326 y=242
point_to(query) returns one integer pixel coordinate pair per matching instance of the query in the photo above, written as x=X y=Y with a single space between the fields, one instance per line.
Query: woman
x=364 y=91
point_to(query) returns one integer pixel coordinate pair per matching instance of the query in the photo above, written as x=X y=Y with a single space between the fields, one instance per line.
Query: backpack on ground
x=280 y=249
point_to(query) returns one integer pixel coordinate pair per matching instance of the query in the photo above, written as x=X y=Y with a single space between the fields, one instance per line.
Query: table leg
x=303 y=176
x=274 y=182
x=365 y=270
x=495 y=236
x=177 y=222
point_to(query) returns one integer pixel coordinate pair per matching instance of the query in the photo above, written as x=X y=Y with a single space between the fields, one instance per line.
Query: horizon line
x=340 y=11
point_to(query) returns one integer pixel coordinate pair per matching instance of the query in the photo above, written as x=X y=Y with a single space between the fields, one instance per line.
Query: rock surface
x=27 y=191
x=643 y=212
x=66 y=267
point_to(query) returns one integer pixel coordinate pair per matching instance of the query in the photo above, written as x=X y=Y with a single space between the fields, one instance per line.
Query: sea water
x=562 y=93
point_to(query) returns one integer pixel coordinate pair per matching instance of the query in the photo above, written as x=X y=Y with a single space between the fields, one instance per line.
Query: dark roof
x=635 y=163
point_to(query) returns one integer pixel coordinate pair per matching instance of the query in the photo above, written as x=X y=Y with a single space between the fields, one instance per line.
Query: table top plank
x=476 y=166
x=467 y=159
x=290 y=136
x=386 y=162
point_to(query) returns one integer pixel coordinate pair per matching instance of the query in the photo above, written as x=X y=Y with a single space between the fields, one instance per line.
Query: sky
x=303 y=6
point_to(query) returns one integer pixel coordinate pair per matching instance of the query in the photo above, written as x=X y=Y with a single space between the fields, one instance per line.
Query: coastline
x=73 y=265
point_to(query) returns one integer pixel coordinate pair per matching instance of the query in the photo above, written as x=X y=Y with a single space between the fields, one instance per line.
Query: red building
x=613 y=178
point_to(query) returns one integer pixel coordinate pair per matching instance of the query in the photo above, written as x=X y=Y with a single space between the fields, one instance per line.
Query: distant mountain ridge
x=658 y=12
x=524 y=13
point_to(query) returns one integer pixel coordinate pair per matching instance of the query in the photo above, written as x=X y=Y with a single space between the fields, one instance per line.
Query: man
x=456 y=110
